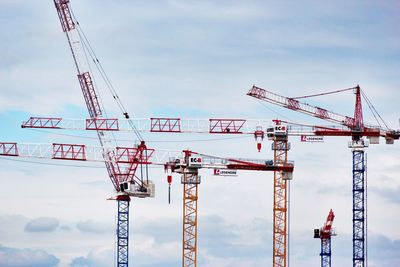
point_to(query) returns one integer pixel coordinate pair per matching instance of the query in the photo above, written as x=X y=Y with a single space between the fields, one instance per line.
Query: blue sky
x=198 y=59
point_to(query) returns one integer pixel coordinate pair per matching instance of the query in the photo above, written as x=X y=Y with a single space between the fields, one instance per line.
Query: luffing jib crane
x=354 y=127
x=118 y=175
x=325 y=234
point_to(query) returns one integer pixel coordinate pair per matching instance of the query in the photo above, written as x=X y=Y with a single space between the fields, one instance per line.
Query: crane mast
x=280 y=146
x=190 y=181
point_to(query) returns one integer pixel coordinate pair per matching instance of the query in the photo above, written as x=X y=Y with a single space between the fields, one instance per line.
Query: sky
x=198 y=59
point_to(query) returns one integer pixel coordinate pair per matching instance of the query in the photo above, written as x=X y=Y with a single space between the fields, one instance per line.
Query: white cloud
x=15 y=257
x=91 y=226
x=98 y=257
x=42 y=224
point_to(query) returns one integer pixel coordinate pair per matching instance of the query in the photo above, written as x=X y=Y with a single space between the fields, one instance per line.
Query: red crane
x=325 y=234
x=354 y=127
x=118 y=174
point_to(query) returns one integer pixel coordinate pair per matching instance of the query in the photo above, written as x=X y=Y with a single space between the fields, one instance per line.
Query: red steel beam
x=165 y=125
x=226 y=126
x=69 y=152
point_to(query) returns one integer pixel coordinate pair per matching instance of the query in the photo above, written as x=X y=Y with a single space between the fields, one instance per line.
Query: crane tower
x=325 y=234
x=356 y=129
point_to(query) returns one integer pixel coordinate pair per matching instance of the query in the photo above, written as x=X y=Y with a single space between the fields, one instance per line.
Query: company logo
x=306 y=138
x=223 y=172
x=280 y=128
x=195 y=161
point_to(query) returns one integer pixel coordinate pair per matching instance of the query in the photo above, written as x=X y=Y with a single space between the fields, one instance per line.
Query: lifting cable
x=85 y=52
x=274 y=111
x=104 y=75
x=373 y=110
x=326 y=93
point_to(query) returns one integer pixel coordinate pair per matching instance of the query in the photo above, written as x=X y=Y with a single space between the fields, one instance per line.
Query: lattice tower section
x=280 y=148
x=191 y=183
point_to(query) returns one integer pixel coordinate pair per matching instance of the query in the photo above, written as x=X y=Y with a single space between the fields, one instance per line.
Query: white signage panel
x=225 y=172
x=311 y=138
x=195 y=161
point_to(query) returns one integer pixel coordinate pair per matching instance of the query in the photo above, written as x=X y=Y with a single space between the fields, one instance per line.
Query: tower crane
x=118 y=176
x=187 y=165
x=78 y=45
x=352 y=126
x=257 y=128
x=325 y=233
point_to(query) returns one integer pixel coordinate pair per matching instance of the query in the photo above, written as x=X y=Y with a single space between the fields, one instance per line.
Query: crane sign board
x=280 y=129
x=225 y=172
x=196 y=161
x=308 y=138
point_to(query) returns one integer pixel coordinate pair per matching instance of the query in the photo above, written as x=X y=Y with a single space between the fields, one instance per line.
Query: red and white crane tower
x=325 y=234
x=351 y=126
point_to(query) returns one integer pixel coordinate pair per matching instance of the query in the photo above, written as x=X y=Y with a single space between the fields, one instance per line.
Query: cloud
x=91 y=226
x=383 y=251
x=99 y=257
x=66 y=228
x=163 y=231
x=244 y=241
x=390 y=194
x=14 y=257
x=219 y=240
x=42 y=224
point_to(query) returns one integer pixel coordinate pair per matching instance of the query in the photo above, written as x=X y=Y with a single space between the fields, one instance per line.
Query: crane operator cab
x=136 y=190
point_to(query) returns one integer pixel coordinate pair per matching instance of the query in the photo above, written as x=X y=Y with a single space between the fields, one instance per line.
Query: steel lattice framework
x=357 y=129
x=326 y=252
x=190 y=183
x=116 y=174
x=358 y=207
x=280 y=147
x=123 y=232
